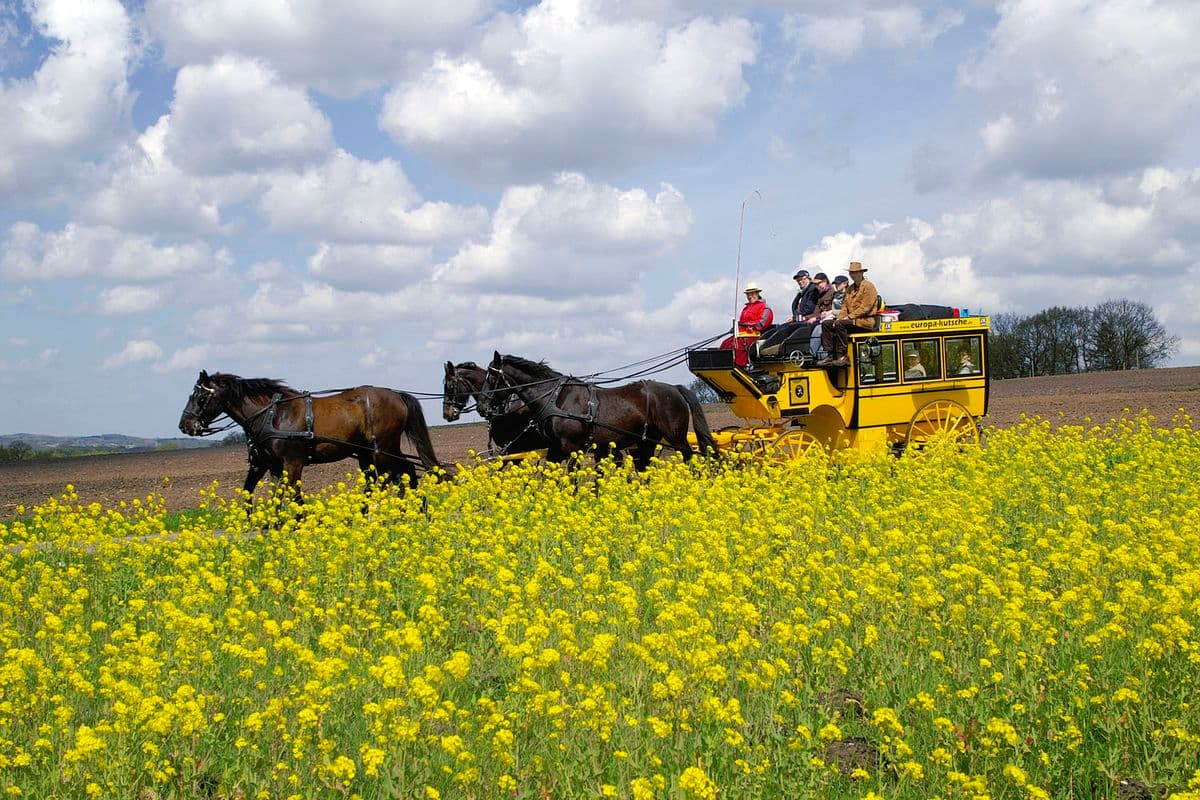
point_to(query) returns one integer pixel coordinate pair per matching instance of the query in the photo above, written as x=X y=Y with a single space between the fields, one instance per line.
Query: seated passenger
x=797 y=336
x=825 y=293
x=837 y=298
x=805 y=299
x=756 y=317
x=965 y=365
x=914 y=369
x=858 y=313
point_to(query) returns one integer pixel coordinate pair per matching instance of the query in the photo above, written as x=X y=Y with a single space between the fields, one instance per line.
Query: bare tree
x=1127 y=335
x=1005 y=350
x=1056 y=339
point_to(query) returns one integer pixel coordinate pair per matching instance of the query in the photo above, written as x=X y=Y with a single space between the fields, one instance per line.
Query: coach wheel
x=941 y=422
x=794 y=446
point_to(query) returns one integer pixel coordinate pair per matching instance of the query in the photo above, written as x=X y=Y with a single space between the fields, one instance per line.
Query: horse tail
x=418 y=431
x=704 y=437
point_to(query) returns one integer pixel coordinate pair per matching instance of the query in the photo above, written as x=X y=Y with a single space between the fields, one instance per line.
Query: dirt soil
x=180 y=475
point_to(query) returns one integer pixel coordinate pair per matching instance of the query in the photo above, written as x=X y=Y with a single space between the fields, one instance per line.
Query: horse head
x=460 y=383
x=496 y=390
x=206 y=403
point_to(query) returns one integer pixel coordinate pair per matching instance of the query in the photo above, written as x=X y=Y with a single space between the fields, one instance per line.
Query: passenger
x=824 y=302
x=823 y=311
x=806 y=299
x=839 y=298
x=755 y=318
x=839 y=295
x=858 y=313
x=914 y=369
x=965 y=365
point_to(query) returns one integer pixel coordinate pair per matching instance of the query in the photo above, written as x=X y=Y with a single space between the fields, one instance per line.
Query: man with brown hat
x=858 y=313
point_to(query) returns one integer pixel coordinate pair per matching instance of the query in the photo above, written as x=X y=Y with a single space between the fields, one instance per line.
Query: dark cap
x=841 y=279
x=820 y=276
x=800 y=273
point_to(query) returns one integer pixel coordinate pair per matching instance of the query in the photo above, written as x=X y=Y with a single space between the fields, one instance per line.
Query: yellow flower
x=695 y=783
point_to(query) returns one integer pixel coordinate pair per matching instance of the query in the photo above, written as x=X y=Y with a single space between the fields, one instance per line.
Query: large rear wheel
x=941 y=422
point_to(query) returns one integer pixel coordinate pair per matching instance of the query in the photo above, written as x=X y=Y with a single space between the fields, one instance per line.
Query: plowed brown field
x=179 y=475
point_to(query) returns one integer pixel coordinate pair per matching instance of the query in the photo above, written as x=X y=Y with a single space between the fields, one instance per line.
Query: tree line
x=1114 y=335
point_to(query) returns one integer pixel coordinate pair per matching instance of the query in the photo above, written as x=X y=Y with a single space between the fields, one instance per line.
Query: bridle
x=453 y=390
x=203 y=401
x=509 y=389
x=485 y=392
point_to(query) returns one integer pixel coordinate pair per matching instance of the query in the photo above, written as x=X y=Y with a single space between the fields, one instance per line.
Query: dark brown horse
x=286 y=429
x=574 y=415
x=514 y=430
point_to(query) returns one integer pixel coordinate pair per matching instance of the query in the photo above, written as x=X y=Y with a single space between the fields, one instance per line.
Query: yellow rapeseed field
x=1014 y=621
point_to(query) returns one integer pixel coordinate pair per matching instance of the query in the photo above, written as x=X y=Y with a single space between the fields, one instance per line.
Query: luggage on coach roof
x=911 y=311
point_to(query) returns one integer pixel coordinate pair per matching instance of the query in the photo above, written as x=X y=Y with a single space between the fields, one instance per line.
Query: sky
x=347 y=192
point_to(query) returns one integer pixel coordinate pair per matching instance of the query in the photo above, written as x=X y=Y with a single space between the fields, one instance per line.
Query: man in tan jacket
x=858 y=313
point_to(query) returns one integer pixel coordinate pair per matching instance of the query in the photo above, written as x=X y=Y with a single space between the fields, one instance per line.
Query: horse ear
x=449 y=369
x=496 y=357
x=203 y=374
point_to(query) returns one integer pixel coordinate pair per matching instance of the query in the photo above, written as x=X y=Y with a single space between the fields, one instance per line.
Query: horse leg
x=253 y=476
x=293 y=468
x=373 y=472
x=642 y=455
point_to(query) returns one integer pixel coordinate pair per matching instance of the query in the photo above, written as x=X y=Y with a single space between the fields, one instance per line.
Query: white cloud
x=189 y=358
x=559 y=86
x=136 y=351
x=350 y=199
x=701 y=309
x=235 y=114
x=36 y=363
x=370 y=267
x=570 y=237
x=1083 y=87
x=339 y=47
x=77 y=251
x=142 y=189
x=76 y=104
x=836 y=33
x=124 y=300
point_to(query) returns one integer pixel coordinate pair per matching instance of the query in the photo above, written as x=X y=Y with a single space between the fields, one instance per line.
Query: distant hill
x=101 y=443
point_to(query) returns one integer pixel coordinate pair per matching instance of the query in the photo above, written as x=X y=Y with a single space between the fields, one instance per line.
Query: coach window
x=964 y=356
x=922 y=360
x=876 y=362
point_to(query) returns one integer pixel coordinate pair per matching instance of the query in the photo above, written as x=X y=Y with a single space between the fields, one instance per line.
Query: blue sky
x=341 y=193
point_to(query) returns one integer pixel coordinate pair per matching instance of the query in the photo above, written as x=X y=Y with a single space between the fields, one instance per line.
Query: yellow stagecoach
x=907 y=384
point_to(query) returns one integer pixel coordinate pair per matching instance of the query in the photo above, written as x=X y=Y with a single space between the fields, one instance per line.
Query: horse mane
x=467 y=365
x=538 y=370
x=241 y=388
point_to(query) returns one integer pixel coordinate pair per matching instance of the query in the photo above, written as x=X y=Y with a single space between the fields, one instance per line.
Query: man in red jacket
x=756 y=317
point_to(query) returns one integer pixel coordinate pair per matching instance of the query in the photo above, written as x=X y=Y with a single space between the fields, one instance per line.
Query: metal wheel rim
x=942 y=420
x=794 y=446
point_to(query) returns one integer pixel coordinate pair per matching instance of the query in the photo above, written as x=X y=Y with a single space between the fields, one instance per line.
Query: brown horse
x=574 y=415
x=514 y=430
x=286 y=429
